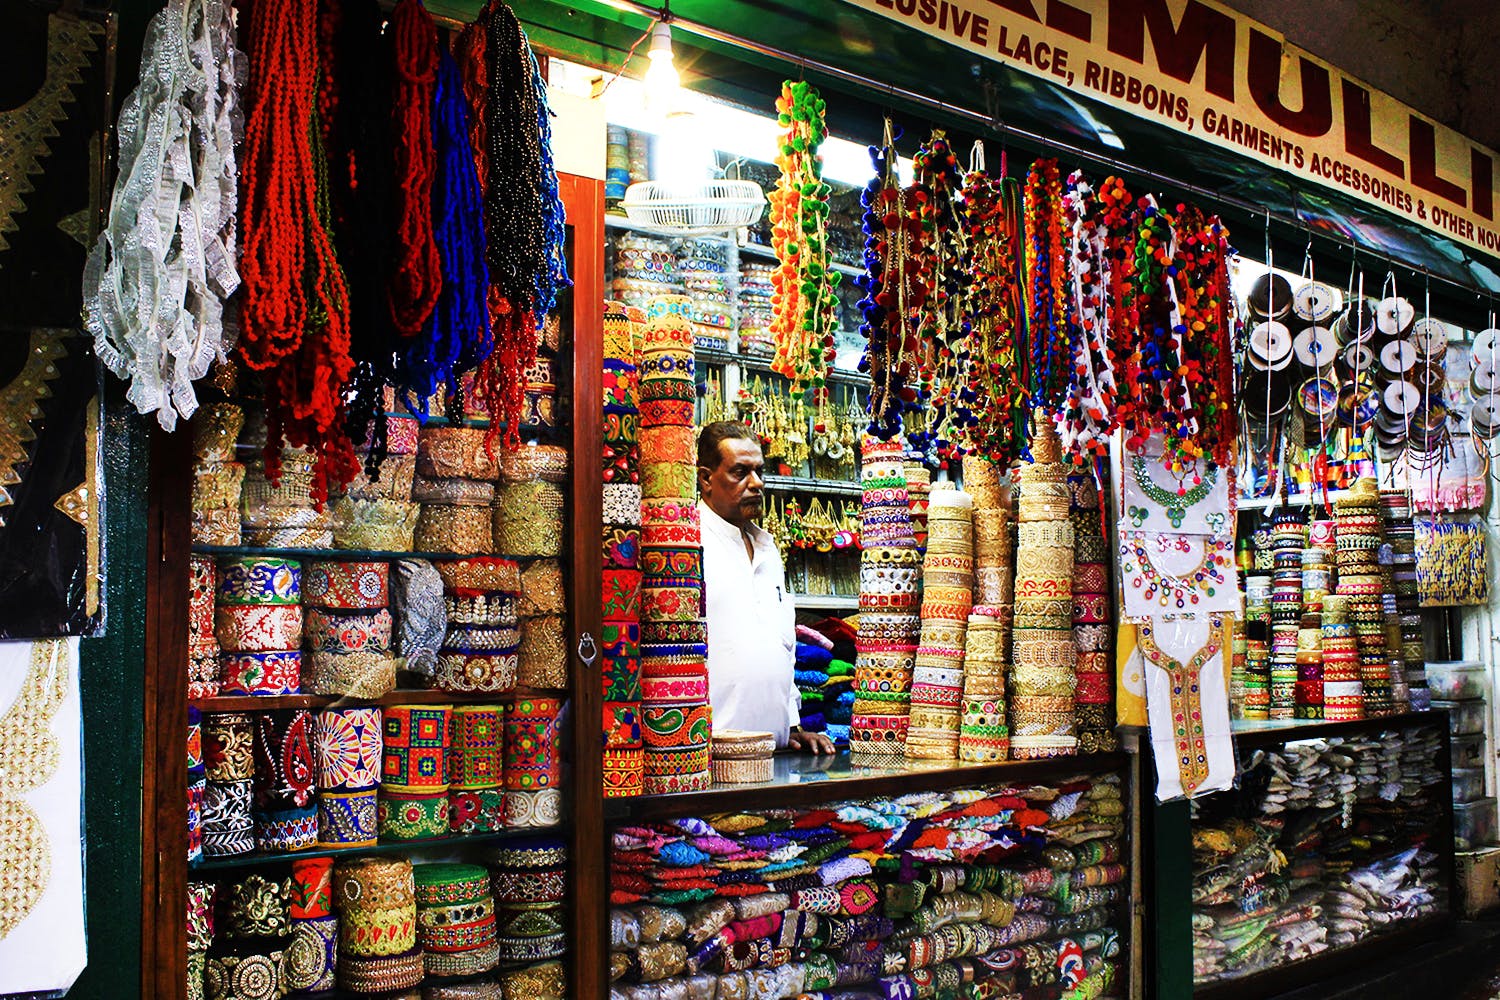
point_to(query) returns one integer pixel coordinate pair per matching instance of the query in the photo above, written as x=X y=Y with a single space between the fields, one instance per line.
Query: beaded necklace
x=1049 y=320
x=1183 y=590
x=803 y=297
x=417 y=277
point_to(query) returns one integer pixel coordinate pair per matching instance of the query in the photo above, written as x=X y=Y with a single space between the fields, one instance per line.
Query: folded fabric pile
x=814 y=654
x=1009 y=889
x=838 y=690
x=1333 y=853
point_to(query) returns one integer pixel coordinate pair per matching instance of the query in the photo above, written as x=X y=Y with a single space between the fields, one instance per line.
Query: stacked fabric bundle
x=1360 y=533
x=377 y=904
x=413 y=802
x=918 y=489
x=1289 y=538
x=1044 y=653
x=531 y=763
x=675 y=722
x=376 y=512
x=351 y=756
x=218 y=479
x=456 y=928
x=258 y=624
x=248 y=955
x=703 y=266
x=1006 y=890
x=1400 y=532
x=530 y=879
x=838 y=700
x=480 y=654
x=937 y=687
x=286 y=815
x=528 y=516
x=197 y=783
x=229 y=764
x=348 y=629
x=1093 y=629
x=741 y=757
x=203 y=645
x=476 y=801
x=755 y=308
x=814 y=654
x=311 y=959
x=457 y=469
x=889 y=625
x=620 y=642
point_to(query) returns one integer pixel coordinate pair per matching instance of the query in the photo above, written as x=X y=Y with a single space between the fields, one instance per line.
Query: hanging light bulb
x=662 y=81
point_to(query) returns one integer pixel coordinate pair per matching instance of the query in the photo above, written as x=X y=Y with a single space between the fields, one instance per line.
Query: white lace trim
x=156 y=280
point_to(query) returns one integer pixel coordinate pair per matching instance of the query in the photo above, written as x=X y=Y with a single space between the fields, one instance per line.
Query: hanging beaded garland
x=1201 y=276
x=1085 y=422
x=940 y=319
x=1050 y=327
x=803 y=299
x=416 y=278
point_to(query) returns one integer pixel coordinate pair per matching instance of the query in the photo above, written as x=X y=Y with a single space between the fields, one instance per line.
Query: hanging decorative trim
x=156 y=280
x=940 y=318
x=1088 y=417
x=994 y=401
x=524 y=219
x=892 y=287
x=803 y=297
x=417 y=278
x=458 y=336
x=1051 y=329
x=295 y=315
x=1201 y=274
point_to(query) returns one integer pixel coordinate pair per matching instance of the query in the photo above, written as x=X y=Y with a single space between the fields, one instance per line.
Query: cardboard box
x=1478 y=877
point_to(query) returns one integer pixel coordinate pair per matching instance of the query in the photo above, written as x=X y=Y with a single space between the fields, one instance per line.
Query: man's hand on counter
x=805 y=742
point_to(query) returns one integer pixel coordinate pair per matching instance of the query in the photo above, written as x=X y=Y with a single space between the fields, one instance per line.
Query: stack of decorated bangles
x=229 y=764
x=1044 y=656
x=258 y=624
x=218 y=479
x=983 y=733
x=203 y=645
x=480 y=651
x=674 y=635
x=532 y=765
x=1359 y=534
x=889 y=623
x=1093 y=625
x=528 y=516
x=476 y=796
x=529 y=878
x=311 y=958
x=620 y=652
x=197 y=776
x=286 y=815
x=455 y=919
x=413 y=802
x=937 y=688
x=376 y=900
x=457 y=468
x=347 y=629
x=350 y=759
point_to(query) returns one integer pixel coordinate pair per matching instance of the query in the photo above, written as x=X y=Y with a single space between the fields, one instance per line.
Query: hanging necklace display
x=1186 y=697
x=804 y=297
x=1185 y=573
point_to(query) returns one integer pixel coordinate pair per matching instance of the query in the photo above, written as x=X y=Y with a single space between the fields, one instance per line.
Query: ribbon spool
x=1319 y=398
x=1430 y=339
x=1485 y=379
x=1356 y=323
x=1270 y=297
x=1315 y=348
x=1315 y=302
x=1486 y=348
x=1397 y=358
x=1484 y=417
x=1430 y=430
x=1270 y=347
x=1358 y=357
x=1358 y=403
x=1394 y=316
x=1266 y=396
x=1401 y=398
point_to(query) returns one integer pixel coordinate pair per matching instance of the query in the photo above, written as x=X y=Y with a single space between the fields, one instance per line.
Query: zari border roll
x=492 y=574
x=412 y=815
x=397 y=473
x=528 y=519
x=348 y=818
x=474 y=759
x=381 y=974
x=228 y=753
x=456 y=453
x=449 y=884
x=347 y=585
x=477 y=672
x=354 y=675
x=258 y=628
x=375 y=525
x=479 y=810
x=455 y=530
x=258 y=580
x=311 y=956
x=983 y=735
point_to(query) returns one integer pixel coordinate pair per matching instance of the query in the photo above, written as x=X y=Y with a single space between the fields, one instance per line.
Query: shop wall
x=1431 y=54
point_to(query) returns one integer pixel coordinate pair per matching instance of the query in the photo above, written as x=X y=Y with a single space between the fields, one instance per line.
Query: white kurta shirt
x=752 y=630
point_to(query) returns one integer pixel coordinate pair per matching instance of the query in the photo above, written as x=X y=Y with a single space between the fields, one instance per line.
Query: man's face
x=734 y=489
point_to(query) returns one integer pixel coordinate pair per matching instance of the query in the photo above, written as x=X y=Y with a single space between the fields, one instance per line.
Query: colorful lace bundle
x=941 y=320
x=1202 y=282
x=1051 y=330
x=803 y=300
x=892 y=233
x=1085 y=421
x=294 y=321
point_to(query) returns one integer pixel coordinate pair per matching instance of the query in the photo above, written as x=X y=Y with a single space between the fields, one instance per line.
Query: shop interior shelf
x=766 y=253
x=1295 y=500
x=402 y=696
x=827 y=602
x=762 y=363
x=1256 y=733
x=805 y=484
x=384 y=847
x=345 y=555
x=803 y=779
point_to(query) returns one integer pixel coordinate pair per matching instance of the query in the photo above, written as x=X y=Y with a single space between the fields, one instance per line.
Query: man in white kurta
x=751 y=617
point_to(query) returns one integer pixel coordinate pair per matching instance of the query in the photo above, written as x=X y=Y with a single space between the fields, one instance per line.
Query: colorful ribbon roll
x=258 y=628
x=474 y=760
x=259 y=580
x=348 y=631
x=531 y=759
x=348 y=818
x=476 y=811
x=350 y=748
x=346 y=585
x=412 y=815
x=269 y=673
x=284 y=767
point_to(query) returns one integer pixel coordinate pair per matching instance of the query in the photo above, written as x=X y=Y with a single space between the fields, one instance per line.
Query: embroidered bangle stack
x=480 y=654
x=674 y=713
x=258 y=624
x=350 y=758
x=286 y=815
x=1093 y=624
x=217 y=478
x=889 y=623
x=1042 y=675
x=1256 y=701
x=1289 y=537
x=348 y=629
x=937 y=686
x=1359 y=685
x=1315 y=580
x=229 y=764
x=203 y=645
x=531 y=766
x=376 y=901
x=476 y=799
x=455 y=919
x=413 y=802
